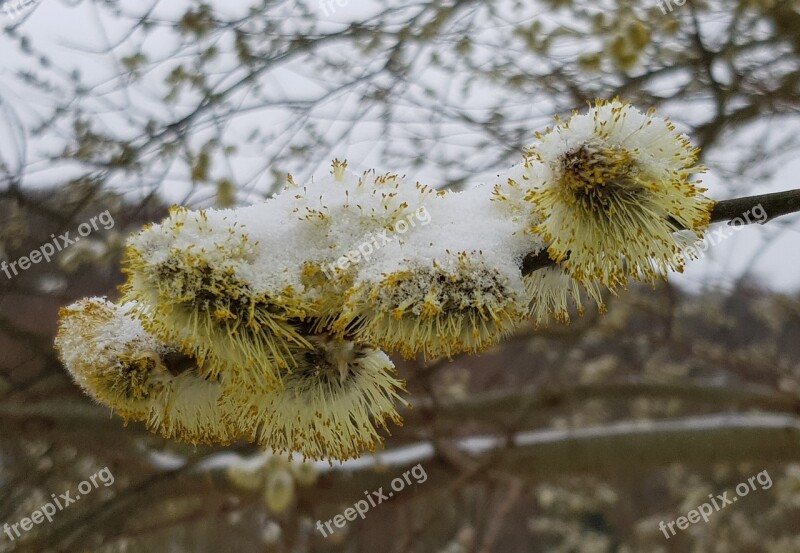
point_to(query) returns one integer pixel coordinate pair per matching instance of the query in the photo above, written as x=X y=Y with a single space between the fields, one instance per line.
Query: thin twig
x=515 y=489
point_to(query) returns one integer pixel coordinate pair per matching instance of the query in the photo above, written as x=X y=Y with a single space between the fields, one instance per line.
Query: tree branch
x=775 y=205
x=500 y=407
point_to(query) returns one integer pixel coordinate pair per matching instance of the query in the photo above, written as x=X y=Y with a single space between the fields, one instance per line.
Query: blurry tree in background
x=636 y=416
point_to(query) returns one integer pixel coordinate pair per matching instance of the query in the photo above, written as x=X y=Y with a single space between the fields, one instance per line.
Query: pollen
x=118 y=363
x=333 y=406
x=610 y=190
